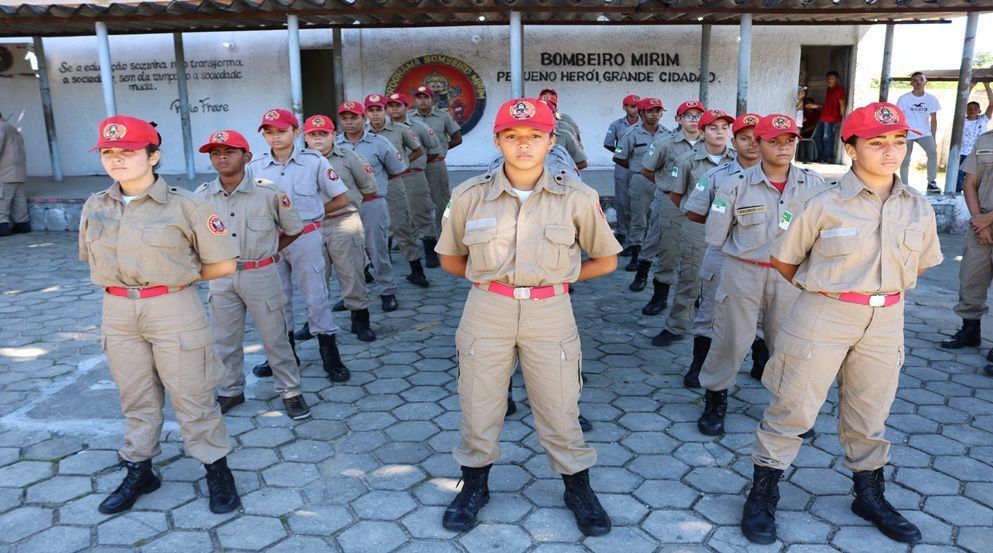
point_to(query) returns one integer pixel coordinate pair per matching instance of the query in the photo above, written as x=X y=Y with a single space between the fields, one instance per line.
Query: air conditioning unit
x=16 y=60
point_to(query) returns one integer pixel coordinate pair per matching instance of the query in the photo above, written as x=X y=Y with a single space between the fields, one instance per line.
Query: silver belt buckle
x=134 y=293
x=877 y=300
x=523 y=293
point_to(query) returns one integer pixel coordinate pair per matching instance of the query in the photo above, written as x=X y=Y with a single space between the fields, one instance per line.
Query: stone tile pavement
x=372 y=470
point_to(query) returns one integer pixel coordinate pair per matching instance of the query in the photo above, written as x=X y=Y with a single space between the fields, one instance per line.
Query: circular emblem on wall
x=456 y=86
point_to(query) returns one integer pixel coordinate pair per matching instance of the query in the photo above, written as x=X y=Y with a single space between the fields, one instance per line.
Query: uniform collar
x=678 y=135
x=702 y=153
x=850 y=186
x=756 y=175
x=270 y=159
x=158 y=191
x=498 y=184
x=641 y=128
x=247 y=185
x=341 y=139
x=387 y=127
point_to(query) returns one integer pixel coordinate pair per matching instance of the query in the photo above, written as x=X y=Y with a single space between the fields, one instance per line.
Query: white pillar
x=704 y=63
x=106 y=73
x=744 y=61
x=54 y=152
x=884 y=74
x=516 y=55
x=296 y=73
x=184 y=106
x=961 y=99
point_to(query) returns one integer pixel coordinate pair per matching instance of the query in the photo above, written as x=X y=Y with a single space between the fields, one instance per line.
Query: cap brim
x=777 y=133
x=880 y=130
x=208 y=147
x=530 y=125
x=123 y=144
x=728 y=119
x=277 y=124
x=429 y=95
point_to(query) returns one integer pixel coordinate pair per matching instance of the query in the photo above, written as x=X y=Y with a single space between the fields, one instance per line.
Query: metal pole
x=744 y=61
x=106 y=72
x=516 y=55
x=704 y=63
x=184 y=106
x=339 y=68
x=961 y=99
x=296 y=74
x=884 y=74
x=46 y=106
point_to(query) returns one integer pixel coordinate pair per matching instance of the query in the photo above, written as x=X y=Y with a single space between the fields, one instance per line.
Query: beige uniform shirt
x=693 y=166
x=979 y=162
x=356 y=174
x=252 y=213
x=531 y=243
x=748 y=213
x=404 y=139
x=13 y=165
x=663 y=154
x=844 y=240
x=160 y=238
x=441 y=123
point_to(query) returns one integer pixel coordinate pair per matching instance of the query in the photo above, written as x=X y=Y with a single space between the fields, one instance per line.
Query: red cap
x=232 y=139
x=279 y=118
x=129 y=133
x=348 y=106
x=375 y=100
x=688 y=105
x=425 y=91
x=549 y=91
x=774 y=125
x=712 y=115
x=746 y=120
x=875 y=119
x=631 y=100
x=318 y=123
x=525 y=112
x=646 y=104
x=398 y=98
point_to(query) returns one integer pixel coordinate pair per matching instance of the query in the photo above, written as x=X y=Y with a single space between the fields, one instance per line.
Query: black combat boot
x=369 y=279
x=431 y=260
x=416 y=276
x=138 y=481
x=263 y=370
x=461 y=512
x=871 y=505
x=580 y=499
x=620 y=240
x=6 y=229
x=701 y=346
x=360 y=325
x=584 y=423
x=641 y=277
x=511 y=406
x=336 y=369
x=389 y=302
x=21 y=228
x=220 y=484
x=226 y=403
x=340 y=306
x=664 y=338
x=715 y=407
x=760 y=356
x=303 y=334
x=660 y=298
x=968 y=335
x=296 y=407
x=632 y=265
x=758 y=517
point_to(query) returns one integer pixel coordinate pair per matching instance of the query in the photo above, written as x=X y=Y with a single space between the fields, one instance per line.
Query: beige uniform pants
x=747 y=293
x=823 y=339
x=689 y=237
x=975 y=275
x=640 y=192
x=494 y=333
x=710 y=279
x=437 y=174
x=421 y=204
x=13 y=203
x=662 y=245
x=344 y=249
x=400 y=220
x=163 y=344
x=259 y=292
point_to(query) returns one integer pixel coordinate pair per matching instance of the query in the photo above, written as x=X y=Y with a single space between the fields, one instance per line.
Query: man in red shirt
x=833 y=111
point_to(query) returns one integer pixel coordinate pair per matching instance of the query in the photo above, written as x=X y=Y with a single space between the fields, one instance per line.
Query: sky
x=914 y=45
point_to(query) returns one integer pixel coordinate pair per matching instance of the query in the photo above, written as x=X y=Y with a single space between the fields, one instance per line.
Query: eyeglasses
x=690 y=118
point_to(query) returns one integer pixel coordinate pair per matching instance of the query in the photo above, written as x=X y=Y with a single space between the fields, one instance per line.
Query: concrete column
x=184 y=106
x=339 y=69
x=744 y=61
x=884 y=74
x=296 y=73
x=704 y=63
x=54 y=152
x=516 y=55
x=961 y=99
x=106 y=73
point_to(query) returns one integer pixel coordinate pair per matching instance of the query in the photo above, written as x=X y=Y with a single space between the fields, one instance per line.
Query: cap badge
x=750 y=120
x=886 y=116
x=317 y=121
x=522 y=110
x=114 y=131
x=271 y=115
x=219 y=137
x=348 y=105
x=374 y=98
x=780 y=122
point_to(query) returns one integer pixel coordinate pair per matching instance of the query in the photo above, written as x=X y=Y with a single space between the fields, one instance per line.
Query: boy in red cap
x=853 y=248
x=449 y=136
x=261 y=218
x=519 y=307
x=615 y=131
x=551 y=96
x=315 y=191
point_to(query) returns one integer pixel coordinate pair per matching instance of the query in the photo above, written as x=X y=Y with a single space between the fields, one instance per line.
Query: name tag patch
x=749 y=210
x=838 y=232
x=480 y=223
x=701 y=185
x=719 y=206
x=448 y=208
x=785 y=220
x=675 y=172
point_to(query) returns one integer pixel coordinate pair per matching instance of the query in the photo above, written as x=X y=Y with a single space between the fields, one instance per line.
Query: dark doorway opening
x=815 y=62
x=317 y=67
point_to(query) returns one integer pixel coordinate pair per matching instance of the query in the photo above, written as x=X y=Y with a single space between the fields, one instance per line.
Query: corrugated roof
x=56 y=18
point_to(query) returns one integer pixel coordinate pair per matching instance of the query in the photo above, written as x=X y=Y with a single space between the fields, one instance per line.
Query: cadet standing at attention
x=449 y=136
x=386 y=163
x=631 y=149
x=614 y=133
x=551 y=95
x=398 y=196
x=262 y=218
x=853 y=249
x=697 y=206
x=147 y=245
x=344 y=235
x=308 y=179
x=517 y=235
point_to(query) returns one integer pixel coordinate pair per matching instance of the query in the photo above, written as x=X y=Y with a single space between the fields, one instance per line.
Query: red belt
x=409 y=171
x=524 y=292
x=759 y=263
x=874 y=300
x=370 y=197
x=141 y=293
x=439 y=158
x=245 y=265
x=310 y=227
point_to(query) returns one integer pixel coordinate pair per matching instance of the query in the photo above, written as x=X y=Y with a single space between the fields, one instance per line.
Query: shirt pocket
x=556 y=254
x=169 y=254
x=260 y=231
x=482 y=250
x=751 y=232
x=835 y=248
x=910 y=249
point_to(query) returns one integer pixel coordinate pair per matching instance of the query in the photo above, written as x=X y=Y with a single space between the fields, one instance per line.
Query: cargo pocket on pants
x=465 y=352
x=571 y=368
x=788 y=372
x=195 y=354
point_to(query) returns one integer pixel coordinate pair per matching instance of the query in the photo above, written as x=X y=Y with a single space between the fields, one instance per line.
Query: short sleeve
x=655 y=156
x=451 y=127
x=410 y=139
x=329 y=182
x=682 y=183
x=623 y=149
x=594 y=233
x=392 y=159
x=431 y=142
x=935 y=104
x=453 y=228
x=699 y=199
x=288 y=218
x=971 y=163
x=721 y=215
x=793 y=245
x=931 y=249
x=83 y=222
x=211 y=238
x=577 y=153
x=363 y=175
x=610 y=140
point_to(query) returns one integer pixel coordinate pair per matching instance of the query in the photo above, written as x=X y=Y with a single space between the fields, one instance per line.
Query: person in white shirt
x=921 y=109
x=976 y=121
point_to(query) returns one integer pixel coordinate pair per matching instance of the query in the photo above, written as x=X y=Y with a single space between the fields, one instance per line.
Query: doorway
x=317 y=67
x=815 y=62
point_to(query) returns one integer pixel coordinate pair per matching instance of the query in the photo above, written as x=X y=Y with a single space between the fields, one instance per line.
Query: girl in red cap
x=853 y=248
x=517 y=234
x=148 y=244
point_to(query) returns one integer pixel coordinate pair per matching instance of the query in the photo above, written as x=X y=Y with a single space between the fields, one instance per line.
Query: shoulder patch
x=332 y=174
x=216 y=225
x=284 y=201
x=368 y=169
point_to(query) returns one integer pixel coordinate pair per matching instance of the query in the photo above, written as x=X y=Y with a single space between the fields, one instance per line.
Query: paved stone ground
x=372 y=470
